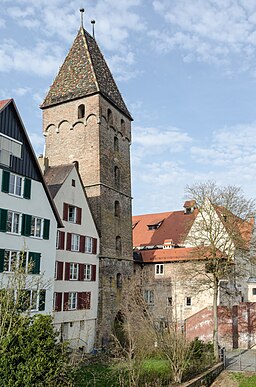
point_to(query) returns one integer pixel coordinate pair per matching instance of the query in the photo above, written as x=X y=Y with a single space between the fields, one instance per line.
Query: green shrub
x=31 y=356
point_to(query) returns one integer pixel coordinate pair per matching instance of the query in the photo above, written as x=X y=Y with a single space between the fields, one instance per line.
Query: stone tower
x=86 y=120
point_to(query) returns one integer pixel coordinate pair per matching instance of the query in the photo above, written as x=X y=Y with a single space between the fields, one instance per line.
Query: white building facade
x=28 y=217
x=77 y=264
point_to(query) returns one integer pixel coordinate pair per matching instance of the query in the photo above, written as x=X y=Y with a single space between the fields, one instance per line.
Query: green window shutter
x=26 y=225
x=46 y=230
x=1 y=260
x=42 y=294
x=3 y=220
x=27 y=188
x=5 y=181
x=34 y=263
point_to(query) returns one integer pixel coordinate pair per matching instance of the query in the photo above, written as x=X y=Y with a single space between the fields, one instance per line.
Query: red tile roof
x=4 y=102
x=175 y=226
x=177 y=254
x=169 y=255
x=189 y=203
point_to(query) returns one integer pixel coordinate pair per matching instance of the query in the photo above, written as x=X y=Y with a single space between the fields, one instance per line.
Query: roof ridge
x=83 y=31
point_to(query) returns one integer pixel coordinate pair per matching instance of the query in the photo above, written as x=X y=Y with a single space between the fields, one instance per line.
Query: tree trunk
x=215 y=318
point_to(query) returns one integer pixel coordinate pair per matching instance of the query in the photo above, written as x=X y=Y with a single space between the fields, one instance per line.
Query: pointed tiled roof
x=84 y=72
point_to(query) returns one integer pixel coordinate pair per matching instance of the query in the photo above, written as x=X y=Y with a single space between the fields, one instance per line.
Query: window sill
x=16 y=196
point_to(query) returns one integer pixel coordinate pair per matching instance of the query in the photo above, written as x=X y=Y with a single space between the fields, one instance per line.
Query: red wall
x=237 y=325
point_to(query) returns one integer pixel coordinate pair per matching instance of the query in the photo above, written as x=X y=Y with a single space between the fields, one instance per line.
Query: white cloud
x=210 y=31
x=37 y=142
x=21 y=91
x=43 y=59
x=161 y=177
x=157 y=141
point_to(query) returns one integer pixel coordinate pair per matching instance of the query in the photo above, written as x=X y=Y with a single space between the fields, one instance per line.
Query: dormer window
x=155 y=226
x=189 y=206
x=168 y=244
x=81 y=111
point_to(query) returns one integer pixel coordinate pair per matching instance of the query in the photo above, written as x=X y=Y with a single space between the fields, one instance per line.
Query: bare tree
x=221 y=236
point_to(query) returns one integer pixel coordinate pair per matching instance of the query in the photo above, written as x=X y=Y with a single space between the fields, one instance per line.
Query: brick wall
x=237 y=325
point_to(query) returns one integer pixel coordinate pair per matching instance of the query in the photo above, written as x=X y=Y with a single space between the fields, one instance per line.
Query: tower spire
x=82 y=17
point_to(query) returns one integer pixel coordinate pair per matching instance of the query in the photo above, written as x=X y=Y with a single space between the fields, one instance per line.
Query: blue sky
x=186 y=69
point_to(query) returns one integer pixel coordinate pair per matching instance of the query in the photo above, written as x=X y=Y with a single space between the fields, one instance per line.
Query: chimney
x=43 y=163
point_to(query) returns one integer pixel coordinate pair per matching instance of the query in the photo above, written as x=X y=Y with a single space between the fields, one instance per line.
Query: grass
x=244 y=380
x=95 y=375
x=107 y=375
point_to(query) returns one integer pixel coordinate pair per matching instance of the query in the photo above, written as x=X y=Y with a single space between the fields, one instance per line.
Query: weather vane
x=93 y=22
x=82 y=17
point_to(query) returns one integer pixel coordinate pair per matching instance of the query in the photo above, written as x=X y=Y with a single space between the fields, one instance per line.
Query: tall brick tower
x=86 y=120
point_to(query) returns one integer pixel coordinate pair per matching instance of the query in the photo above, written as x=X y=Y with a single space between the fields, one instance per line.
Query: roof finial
x=82 y=17
x=93 y=22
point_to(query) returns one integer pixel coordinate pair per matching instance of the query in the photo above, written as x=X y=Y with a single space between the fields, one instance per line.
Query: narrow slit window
x=81 y=111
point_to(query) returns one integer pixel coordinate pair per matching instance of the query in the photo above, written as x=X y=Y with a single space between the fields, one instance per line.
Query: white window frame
x=73 y=271
x=16 y=185
x=57 y=239
x=72 y=217
x=75 y=242
x=88 y=244
x=149 y=296
x=35 y=221
x=14 y=222
x=159 y=269
x=87 y=272
x=188 y=298
x=33 y=298
x=11 y=257
x=72 y=301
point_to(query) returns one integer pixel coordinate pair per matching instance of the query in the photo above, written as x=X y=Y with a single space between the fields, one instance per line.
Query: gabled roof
x=31 y=160
x=84 y=72
x=4 y=102
x=175 y=225
x=56 y=175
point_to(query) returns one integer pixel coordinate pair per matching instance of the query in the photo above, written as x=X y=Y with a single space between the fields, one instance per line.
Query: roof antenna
x=82 y=17
x=93 y=22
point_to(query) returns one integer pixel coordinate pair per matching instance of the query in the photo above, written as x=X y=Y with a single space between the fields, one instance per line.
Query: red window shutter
x=84 y=300
x=93 y=272
x=68 y=243
x=61 y=240
x=67 y=271
x=81 y=272
x=65 y=211
x=87 y=300
x=58 y=301
x=59 y=270
x=65 y=306
x=79 y=300
x=82 y=244
x=78 y=215
x=94 y=245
